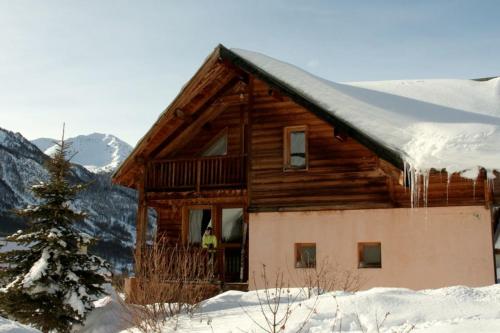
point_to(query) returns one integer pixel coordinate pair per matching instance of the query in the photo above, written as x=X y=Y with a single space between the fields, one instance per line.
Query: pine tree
x=52 y=282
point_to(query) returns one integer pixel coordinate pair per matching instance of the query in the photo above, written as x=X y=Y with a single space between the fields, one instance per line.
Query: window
x=369 y=255
x=305 y=255
x=232 y=225
x=217 y=146
x=295 y=148
x=199 y=221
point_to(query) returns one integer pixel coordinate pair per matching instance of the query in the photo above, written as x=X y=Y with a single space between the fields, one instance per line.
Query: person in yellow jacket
x=209 y=241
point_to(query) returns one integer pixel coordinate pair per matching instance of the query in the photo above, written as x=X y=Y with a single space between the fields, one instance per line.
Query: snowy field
x=453 y=309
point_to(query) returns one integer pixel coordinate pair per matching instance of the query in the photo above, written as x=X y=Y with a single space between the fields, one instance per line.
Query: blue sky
x=113 y=66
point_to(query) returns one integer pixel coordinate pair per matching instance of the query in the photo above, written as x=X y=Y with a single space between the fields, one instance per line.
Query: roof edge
x=121 y=168
x=382 y=151
x=226 y=54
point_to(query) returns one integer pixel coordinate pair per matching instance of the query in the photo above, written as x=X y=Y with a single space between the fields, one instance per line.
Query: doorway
x=229 y=225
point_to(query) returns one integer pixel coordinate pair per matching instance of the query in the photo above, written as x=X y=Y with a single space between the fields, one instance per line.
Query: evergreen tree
x=52 y=282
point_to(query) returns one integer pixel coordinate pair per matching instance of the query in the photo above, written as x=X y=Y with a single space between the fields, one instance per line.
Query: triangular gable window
x=218 y=146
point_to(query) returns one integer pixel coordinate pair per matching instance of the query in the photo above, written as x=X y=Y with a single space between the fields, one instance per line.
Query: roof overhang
x=232 y=62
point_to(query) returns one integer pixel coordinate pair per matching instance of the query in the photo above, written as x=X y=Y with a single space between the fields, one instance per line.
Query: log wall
x=339 y=173
x=342 y=174
x=169 y=223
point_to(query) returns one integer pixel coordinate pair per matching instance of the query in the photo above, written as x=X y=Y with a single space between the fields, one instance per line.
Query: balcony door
x=229 y=225
x=232 y=243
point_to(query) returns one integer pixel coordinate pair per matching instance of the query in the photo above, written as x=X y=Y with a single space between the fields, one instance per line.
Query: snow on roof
x=442 y=124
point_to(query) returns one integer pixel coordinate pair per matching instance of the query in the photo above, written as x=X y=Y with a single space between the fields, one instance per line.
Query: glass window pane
x=497 y=263
x=370 y=255
x=199 y=220
x=232 y=225
x=218 y=148
x=306 y=256
x=298 y=149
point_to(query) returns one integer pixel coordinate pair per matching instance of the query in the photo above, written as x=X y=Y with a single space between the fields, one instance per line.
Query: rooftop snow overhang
x=221 y=56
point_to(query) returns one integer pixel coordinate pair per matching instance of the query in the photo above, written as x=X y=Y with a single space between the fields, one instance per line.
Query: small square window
x=305 y=255
x=295 y=148
x=370 y=255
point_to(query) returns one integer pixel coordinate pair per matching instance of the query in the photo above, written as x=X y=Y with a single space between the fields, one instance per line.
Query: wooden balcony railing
x=196 y=174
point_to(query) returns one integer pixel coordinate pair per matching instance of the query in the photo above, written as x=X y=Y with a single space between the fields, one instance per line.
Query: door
x=229 y=226
x=232 y=243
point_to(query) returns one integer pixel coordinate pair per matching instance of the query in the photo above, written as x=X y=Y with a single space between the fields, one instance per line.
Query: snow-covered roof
x=442 y=124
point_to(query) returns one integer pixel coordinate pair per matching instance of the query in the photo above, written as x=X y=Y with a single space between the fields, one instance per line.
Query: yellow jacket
x=209 y=242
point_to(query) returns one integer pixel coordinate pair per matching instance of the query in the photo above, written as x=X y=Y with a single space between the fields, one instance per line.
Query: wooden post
x=198 y=176
x=141 y=220
x=248 y=138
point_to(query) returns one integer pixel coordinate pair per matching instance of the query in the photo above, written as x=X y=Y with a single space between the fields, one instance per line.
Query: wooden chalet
x=285 y=183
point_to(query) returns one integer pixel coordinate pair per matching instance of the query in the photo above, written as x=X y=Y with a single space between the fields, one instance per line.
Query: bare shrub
x=169 y=281
x=407 y=328
x=277 y=303
x=325 y=277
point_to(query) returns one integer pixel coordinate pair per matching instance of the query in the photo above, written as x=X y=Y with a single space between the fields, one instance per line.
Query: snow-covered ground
x=8 y=326
x=453 y=309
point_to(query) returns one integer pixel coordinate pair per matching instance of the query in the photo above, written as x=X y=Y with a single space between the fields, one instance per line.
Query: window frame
x=297 y=255
x=287 y=165
x=361 y=246
x=220 y=215
x=185 y=221
x=213 y=140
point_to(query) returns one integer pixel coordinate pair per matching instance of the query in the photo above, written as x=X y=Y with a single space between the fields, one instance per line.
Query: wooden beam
x=198 y=119
x=205 y=75
x=141 y=219
x=248 y=137
x=389 y=169
x=313 y=206
x=183 y=137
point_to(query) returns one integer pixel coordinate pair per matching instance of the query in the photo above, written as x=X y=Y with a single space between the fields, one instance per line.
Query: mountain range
x=111 y=208
x=96 y=152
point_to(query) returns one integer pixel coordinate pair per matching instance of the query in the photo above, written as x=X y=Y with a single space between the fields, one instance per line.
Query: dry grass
x=169 y=281
x=326 y=277
x=277 y=304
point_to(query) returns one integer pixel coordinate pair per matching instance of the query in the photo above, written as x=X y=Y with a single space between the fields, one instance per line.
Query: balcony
x=196 y=174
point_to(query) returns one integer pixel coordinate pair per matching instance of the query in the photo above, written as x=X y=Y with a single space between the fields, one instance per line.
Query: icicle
x=426 y=176
x=404 y=175
x=448 y=187
x=414 y=178
x=412 y=186
x=417 y=180
x=474 y=189
x=418 y=183
x=490 y=177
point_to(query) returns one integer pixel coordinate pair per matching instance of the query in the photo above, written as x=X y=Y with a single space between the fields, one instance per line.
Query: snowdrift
x=8 y=326
x=453 y=309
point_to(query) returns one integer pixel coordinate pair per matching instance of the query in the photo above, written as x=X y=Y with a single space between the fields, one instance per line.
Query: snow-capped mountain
x=111 y=208
x=96 y=152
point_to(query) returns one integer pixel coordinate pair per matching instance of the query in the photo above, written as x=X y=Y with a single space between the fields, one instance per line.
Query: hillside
x=111 y=208
x=96 y=152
